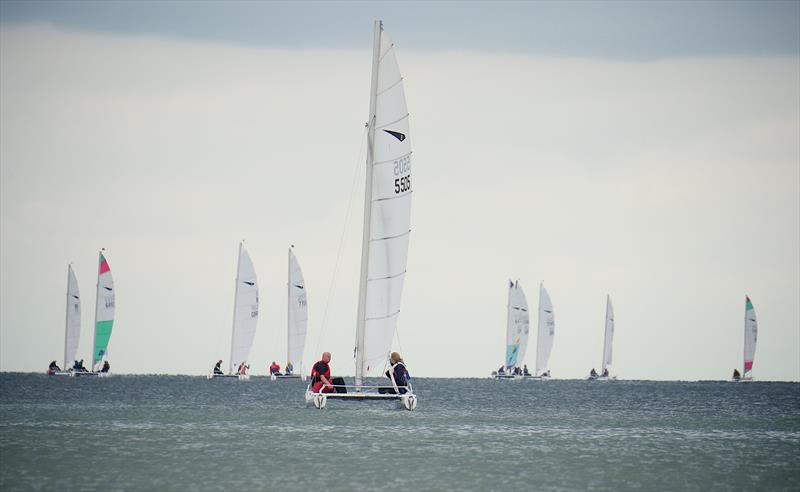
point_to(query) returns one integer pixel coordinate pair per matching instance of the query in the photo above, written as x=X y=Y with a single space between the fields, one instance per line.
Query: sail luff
x=289 y=307
x=366 y=234
x=608 y=339
x=233 y=320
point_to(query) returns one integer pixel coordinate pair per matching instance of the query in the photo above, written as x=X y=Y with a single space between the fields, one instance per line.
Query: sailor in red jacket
x=321 y=375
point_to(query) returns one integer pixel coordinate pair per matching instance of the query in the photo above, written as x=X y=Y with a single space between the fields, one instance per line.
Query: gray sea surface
x=188 y=433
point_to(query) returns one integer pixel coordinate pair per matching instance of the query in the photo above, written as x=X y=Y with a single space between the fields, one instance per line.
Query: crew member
x=218 y=367
x=321 y=375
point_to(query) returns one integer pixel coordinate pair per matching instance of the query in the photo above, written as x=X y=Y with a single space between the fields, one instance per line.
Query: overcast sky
x=650 y=151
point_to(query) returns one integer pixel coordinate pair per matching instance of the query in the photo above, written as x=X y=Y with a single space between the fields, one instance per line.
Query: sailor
x=736 y=374
x=81 y=367
x=289 y=368
x=546 y=373
x=54 y=367
x=275 y=368
x=106 y=367
x=605 y=372
x=400 y=373
x=593 y=373
x=243 y=368
x=218 y=367
x=517 y=371
x=525 y=371
x=321 y=375
x=501 y=371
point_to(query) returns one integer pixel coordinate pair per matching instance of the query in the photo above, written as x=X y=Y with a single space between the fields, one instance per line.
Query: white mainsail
x=72 y=329
x=387 y=211
x=609 y=337
x=245 y=310
x=750 y=336
x=517 y=326
x=297 y=317
x=546 y=331
x=105 y=308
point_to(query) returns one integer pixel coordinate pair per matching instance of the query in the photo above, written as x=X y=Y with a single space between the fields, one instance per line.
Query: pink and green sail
x=104 y=311
x=750 y=335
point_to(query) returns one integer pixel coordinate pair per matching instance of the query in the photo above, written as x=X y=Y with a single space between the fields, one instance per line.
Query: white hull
x=520 y=378
x=275 y=377
x=407 y=401
x=240 y=377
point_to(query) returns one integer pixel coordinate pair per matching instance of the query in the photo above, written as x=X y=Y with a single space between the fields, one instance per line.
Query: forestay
x=546 y=330
x=387 y=212
x=297 y=315
x=750 y=335
x=518 y=325
x=72 y=329
x=105 y=305
x=609 y=337
x=245 y=310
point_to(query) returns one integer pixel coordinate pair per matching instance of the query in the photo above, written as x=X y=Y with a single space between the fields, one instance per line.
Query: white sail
x=750 y=336
x=245 y=310
x=609 y=337
x=72 y=330
x=387 y=211
x=517 y=326
x=297 y=315
x=546 y=331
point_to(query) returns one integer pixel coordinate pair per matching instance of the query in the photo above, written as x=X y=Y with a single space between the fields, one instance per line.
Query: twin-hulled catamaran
x=607 y=344
x=245 y=318
x=72 y=324
x=387 y=226
x=296 y=321
x=517 y=331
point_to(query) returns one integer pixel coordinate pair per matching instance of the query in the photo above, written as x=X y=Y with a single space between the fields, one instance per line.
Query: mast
x=96 y=304
x=605 y=337
x=508 y=319
x=365 y=240
x=66 y=319
x=235 y=294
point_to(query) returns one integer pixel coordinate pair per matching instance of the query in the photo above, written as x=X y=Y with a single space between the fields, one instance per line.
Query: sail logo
x=301 y=301
x=399 y=136
x=108 y=288
x=254 y=311
x=299 y=286
x=109 y=301
x=249 y=283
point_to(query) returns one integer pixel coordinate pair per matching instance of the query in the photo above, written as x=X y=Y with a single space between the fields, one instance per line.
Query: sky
x=649 y=151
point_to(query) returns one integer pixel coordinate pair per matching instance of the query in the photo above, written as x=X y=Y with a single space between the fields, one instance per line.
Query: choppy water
x=182 y=433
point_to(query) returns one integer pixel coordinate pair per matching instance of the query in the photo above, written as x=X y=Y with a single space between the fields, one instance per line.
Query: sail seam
x=392 y=197
x=390 y=48
x=392 y=122
x=387 y=278
x=391 y=237
x=400 y=80
x=384 y=317
x=392 y=160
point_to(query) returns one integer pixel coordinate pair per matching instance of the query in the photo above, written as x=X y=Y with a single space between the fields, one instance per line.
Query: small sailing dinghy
x=517 y=331
x=607 y=344
x=72 y=324
x=387 y=226
x=245 y=316
x=750 y=338
x=296 y=321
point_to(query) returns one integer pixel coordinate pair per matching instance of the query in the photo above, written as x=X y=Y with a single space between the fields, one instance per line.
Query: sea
x=163 y=433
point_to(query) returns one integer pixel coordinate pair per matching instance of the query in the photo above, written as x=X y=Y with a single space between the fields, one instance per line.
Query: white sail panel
x=750 y=335
x=390 y=212
x=546 y=331
x=245 y=314
x=297 y=315
x=518 y=326
x=609 y=336
x=72 y=329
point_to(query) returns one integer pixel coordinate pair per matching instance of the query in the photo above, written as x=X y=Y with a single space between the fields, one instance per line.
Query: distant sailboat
x=545 y=334
x=517 y=331
x=72 y=324
x=387 y=227
x=296 y=321
x=750 y=338
x=245 y=316
x=105 y=307
x=607 y=344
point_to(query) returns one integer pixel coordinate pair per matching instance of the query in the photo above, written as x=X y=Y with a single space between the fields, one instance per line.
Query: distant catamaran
x=608 y=341
x=545 y=334
x=105 y=307
x=387 y=227
x=517 y=330
x=296 y=320
x=750 y=337
x=245 y=316
x=72 y=324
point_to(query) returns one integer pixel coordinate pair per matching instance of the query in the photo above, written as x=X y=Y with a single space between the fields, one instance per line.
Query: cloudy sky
x=650 y=151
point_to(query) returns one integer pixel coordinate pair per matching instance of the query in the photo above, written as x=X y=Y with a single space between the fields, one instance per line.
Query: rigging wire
x=356 y=173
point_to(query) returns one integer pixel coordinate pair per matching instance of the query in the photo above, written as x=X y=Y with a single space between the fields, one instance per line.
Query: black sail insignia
x=397 y=135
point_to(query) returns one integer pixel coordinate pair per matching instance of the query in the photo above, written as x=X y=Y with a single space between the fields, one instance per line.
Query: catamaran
x=750 y=337
x=387 y=226
x=544 y=336
x=72 y=324
x=296 y=321
x=245 y=316
x=517 y=330
x=105 y=306
x=607 y=343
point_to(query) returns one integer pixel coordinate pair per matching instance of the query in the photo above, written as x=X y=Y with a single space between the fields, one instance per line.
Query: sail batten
x=387 y=211
x=245 y=310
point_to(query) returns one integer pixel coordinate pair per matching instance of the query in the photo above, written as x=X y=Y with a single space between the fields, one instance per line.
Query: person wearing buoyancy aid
x=400 y=373
x=321 y=375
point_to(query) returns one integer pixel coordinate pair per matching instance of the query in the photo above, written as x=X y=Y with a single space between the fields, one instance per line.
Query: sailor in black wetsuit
x=218 y=367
